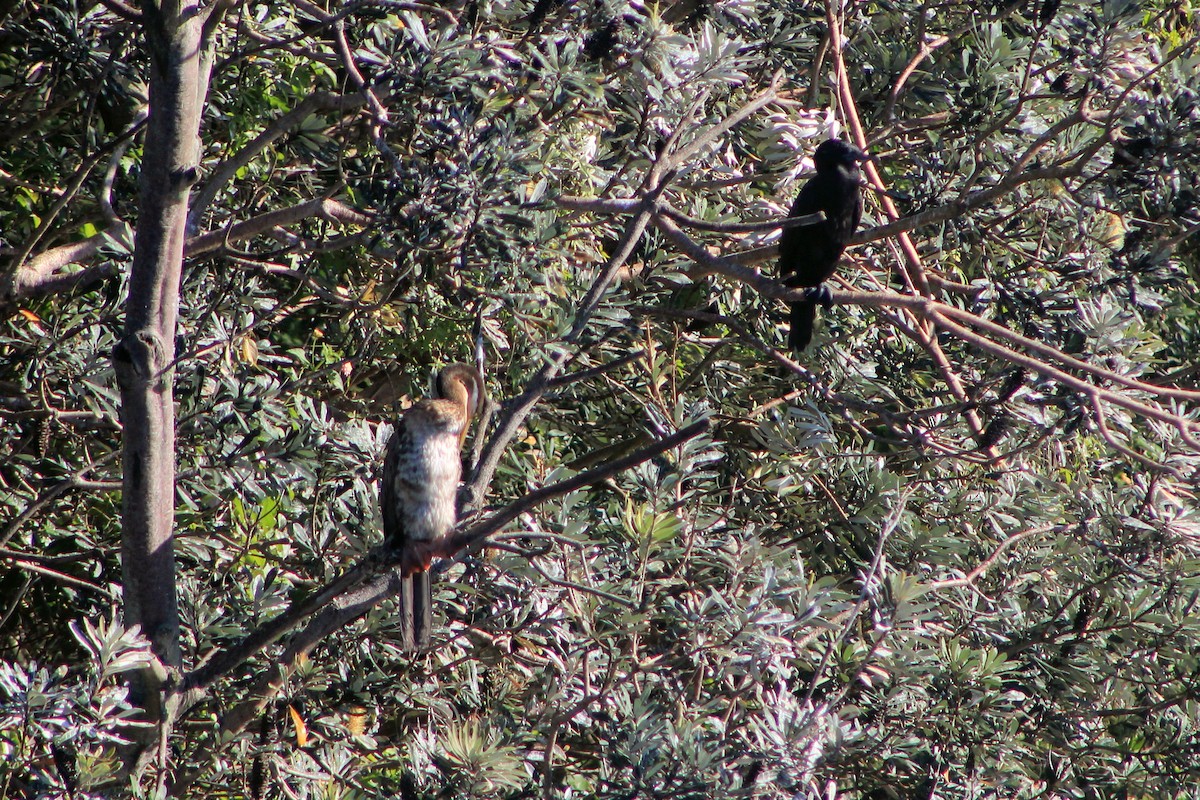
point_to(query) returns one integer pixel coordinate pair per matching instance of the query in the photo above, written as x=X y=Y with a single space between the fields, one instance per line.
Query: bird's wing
x=390 y=498
x=808 y=199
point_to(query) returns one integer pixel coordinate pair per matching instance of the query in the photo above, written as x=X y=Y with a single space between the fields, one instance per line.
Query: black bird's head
x=833 y=154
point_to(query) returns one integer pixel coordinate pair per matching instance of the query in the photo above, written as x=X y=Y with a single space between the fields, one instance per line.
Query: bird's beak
x=862 y=155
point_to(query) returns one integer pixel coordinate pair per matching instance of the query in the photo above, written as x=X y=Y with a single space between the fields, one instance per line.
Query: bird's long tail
x=803 y=317
x=416 y=611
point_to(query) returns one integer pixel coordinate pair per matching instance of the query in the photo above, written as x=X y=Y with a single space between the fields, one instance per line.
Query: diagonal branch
x=42 y=275
x=375 y=579
x=321 y=101
x=981 y=569
x=472 y=536
x=956 y=321
x=326 y=208
x=341 y=612
x=644 y=212
x=271 y=631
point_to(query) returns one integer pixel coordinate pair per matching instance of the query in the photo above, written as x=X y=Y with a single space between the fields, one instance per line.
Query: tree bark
x=143 y=357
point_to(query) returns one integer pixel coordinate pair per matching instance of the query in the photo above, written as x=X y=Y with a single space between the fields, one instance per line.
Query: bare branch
x=971 y=577
x=40 y=276
x=579 y=587
x=122 y=10
x=379 y=114
x=519 y=409
x=927 y=48
x=271 y=631
x=75 y=481
x=63 y=200
x=710 y=135
x=61 y=577
x=338 y=614
x=744 y=227
x=591 y=372
x=321 y=101
x=615 y=206
x=944 y=316
x=373 y=580
x=326 y=208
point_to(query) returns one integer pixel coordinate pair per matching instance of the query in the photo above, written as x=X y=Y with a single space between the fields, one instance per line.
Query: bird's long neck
x=462 y=387
x=463 y=398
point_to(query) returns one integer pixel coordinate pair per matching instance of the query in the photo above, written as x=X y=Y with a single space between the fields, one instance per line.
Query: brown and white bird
x=417 y=492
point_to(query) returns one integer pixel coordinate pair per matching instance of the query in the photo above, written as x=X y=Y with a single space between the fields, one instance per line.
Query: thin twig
x=981 y=569
x=75 y=481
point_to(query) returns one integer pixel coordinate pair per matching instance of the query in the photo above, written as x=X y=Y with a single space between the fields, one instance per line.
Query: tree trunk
x=144 y=356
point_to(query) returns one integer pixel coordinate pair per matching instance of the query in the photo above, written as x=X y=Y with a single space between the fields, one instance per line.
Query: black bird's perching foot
x=808 y=255
x=820 y=295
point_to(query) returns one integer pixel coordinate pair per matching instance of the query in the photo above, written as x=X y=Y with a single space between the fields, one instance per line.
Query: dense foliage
x=931 y=556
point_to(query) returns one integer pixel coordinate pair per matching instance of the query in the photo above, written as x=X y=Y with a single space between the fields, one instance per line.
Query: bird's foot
x=820 y=294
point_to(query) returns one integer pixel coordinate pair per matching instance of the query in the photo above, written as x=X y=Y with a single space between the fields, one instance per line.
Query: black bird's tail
x=416 y=611
x=803 y=317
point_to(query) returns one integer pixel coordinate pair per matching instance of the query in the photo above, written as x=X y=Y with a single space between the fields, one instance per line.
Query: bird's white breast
x=430 y=477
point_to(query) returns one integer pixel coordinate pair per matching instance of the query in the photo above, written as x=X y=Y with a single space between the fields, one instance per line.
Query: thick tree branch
x=269 y=632
x=42 y=275
x=339 y=613
x=75 y=183
x=122 y=10
x=955 y=321
x=518 y=410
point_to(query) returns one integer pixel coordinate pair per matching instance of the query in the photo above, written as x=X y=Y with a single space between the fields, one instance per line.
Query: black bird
x=808 y=255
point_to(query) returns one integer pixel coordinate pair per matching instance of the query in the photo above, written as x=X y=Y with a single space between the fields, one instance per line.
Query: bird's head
x=463 y=385
x=834 y=153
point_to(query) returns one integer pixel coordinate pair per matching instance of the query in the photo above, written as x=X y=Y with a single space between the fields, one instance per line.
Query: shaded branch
x=710 y=135
x=123 y=10
x=955 y=320
x=340 y=613
x=228 y=169
x=66 y=197
x=591 y=372
x=518 y=410
x=622 y=206
x=271 y=631
x=41 y=275
x=75 y=481
x=926 y=49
